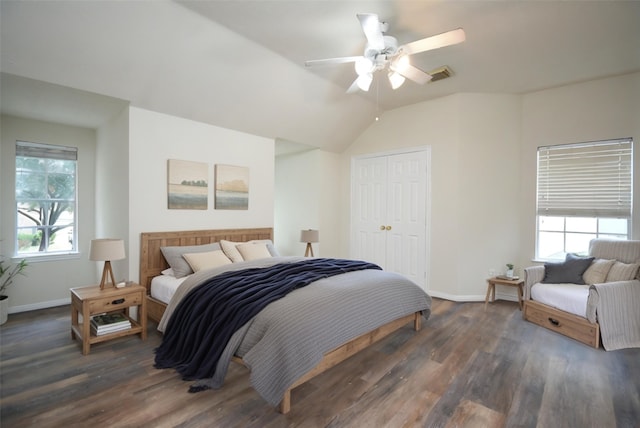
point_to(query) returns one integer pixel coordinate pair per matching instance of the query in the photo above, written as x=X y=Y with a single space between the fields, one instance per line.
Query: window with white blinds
x=586 y=180
x=584 y=192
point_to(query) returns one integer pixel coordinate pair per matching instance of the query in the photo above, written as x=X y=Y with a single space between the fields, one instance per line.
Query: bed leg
x=417 y=321
x=285 y=404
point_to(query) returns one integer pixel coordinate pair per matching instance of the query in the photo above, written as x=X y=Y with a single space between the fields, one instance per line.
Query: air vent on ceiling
x=440 y=73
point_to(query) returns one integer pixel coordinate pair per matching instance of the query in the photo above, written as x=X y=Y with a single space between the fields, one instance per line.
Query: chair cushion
x=568 y=272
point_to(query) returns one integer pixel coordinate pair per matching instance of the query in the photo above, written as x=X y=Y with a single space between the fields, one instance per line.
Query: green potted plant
x=509 y=272
x=8 y=271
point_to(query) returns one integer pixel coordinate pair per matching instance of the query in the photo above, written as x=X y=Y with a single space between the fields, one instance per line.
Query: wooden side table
x=491 y=288
x=90 y=301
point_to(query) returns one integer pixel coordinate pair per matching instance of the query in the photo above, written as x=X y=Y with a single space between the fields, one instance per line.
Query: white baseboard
x=39 y=305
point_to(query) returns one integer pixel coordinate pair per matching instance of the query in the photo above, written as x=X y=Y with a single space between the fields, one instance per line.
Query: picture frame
x=187 y=185
x=231 y=187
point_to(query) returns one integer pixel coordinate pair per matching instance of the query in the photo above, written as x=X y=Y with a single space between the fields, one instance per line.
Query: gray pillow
x=173 y=256
x=568 y=272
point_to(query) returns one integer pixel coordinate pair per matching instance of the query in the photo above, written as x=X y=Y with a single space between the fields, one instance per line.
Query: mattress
x=570 y=298
x=163 y=287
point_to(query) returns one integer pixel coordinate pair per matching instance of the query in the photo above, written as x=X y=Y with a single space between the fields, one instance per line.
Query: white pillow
x=253 y=251
x=597 y=272
x=622 y=271
x=168 y=272
x=230 y=248
x=173 y=256
x=231 y=251
x=208 y=260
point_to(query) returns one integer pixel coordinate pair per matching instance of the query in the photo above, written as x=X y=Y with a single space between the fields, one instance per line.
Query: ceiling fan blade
x=371 y=27
x=331 y=61
x=414 y=73
x=434 y=42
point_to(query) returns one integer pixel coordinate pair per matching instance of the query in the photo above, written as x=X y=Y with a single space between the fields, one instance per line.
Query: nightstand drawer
x=114 y=303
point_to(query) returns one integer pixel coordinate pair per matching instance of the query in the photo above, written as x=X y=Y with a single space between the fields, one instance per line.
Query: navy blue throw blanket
x=204 y=321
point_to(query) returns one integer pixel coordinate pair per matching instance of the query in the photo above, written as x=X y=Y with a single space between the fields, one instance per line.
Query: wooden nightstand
x=491 y=288
x=90 y=301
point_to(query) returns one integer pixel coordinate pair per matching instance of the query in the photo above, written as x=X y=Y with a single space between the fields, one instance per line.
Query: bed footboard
x=345 y=351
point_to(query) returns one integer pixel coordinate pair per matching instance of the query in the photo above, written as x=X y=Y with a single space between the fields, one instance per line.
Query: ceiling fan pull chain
x=377 y=98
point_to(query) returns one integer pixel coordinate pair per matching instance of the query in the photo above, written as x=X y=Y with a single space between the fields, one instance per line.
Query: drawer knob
x=554 y=321
x=117 y=302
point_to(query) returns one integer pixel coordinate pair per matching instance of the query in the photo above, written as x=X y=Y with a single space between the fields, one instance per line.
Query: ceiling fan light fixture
x=396 y=80
x=382 y=53
x=363 y=66
x=364 y=81
x=401 y=64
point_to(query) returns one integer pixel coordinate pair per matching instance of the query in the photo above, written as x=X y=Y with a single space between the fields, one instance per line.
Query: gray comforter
x=290 y=336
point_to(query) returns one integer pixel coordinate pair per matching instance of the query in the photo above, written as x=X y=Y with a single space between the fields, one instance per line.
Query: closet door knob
x=388 y=228
x=382 y=227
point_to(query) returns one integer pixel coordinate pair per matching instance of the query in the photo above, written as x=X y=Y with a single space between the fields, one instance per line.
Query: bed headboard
x=152 y=262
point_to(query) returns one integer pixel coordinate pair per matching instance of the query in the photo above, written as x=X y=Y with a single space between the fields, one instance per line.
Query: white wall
x=488 y=160
x=330 y=177
x=47 y=282
x=296 y=202
x=474 y=140
x=155 y=138
x=308 y=186
x=112 y=188
x=596 y=110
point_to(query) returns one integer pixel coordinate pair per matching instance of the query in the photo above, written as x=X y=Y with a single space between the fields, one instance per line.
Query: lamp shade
x=309 y=236
x=107 y=249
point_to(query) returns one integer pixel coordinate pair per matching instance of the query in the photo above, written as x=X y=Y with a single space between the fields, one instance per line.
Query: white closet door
x=406 y=214
x=369 y=210
x=389 y=212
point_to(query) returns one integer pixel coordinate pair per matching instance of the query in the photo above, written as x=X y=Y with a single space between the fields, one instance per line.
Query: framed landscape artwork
x=187 y=185
x=232 y=187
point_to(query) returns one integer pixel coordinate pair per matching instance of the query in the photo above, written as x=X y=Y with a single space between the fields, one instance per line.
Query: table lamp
x=107 y=250
x=309 y=236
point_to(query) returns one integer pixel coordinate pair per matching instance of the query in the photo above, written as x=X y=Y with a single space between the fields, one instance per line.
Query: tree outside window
x=45 y=198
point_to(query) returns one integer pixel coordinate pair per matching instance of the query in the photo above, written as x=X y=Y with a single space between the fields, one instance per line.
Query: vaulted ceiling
x=240 y=64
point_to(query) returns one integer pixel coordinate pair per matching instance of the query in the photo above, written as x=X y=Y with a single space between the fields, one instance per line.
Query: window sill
x=37 y=258
x=547 y=260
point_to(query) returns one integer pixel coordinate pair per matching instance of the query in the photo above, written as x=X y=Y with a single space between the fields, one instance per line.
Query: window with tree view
x=584 y=192
x=45 y=198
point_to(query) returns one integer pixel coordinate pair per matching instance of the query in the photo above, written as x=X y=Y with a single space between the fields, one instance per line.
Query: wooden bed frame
x=152 y=263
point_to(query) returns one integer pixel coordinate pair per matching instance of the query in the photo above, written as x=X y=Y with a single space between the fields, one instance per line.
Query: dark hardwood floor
x=465 y=368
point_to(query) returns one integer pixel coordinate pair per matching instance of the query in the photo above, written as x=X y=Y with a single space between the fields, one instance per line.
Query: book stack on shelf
x=109 y=323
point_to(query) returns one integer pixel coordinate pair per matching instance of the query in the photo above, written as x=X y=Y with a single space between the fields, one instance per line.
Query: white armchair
x=607 y=306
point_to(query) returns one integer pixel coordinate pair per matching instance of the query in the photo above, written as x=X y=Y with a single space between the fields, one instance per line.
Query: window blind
x=49 y=151
x=587 y=179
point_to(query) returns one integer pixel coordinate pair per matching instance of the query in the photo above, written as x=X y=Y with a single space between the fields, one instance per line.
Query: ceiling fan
x=382 y=52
